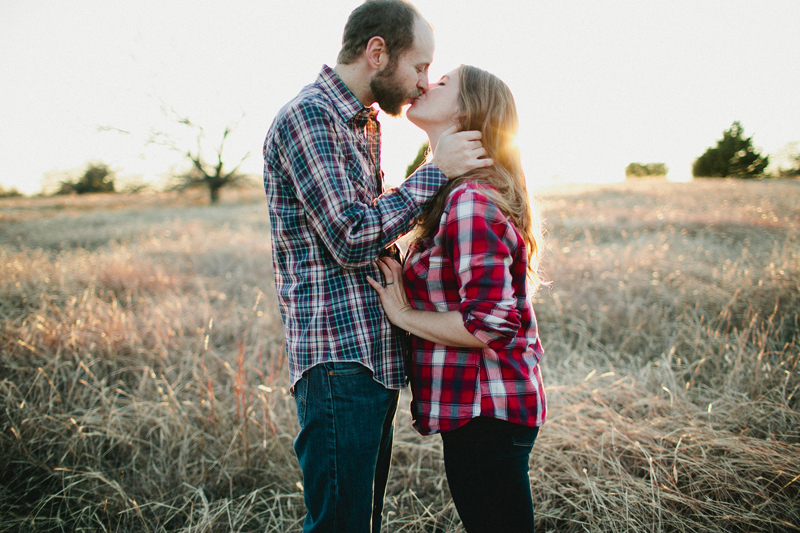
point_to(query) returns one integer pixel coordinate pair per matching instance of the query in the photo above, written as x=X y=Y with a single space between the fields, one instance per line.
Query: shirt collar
x=342 y=97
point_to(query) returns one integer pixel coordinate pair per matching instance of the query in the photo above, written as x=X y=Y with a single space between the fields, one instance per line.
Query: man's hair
x=391 y=19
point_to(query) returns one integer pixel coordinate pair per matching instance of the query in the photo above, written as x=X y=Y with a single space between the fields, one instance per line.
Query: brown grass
x=144 y=381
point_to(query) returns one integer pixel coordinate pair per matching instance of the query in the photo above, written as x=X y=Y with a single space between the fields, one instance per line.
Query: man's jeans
x=486 y=462
x=344 y=446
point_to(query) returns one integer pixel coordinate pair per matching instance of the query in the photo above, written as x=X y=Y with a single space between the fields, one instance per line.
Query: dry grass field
x=145 y=387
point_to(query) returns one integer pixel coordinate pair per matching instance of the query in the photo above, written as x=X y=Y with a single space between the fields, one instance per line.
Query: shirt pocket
x=363 y=182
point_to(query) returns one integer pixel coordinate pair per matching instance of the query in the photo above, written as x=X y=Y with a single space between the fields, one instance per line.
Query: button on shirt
x=475 y=264
x=329 y=222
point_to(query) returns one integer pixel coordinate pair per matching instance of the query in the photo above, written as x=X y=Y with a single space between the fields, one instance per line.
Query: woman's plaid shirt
x=476 y=264
x=329 y=221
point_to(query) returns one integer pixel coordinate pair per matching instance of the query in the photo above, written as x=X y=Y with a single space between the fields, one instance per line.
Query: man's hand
x=457 y=153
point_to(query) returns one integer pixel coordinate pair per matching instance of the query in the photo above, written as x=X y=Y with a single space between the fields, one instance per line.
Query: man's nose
x=423 y=84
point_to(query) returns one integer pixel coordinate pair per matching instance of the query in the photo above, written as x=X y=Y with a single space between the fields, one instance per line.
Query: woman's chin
x=412 y=117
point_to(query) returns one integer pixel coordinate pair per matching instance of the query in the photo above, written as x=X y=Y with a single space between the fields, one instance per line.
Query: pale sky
x=598 y=84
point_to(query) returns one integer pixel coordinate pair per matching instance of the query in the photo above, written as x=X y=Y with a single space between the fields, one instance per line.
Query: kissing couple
x=454 y=317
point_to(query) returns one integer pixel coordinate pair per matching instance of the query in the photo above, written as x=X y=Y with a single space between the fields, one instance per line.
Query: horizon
x=597 y=86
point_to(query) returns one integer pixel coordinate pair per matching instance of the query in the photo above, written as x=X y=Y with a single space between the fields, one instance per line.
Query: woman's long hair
x=487 y=105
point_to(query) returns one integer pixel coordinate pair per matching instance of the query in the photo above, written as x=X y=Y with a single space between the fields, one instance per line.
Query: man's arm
x=354 y=232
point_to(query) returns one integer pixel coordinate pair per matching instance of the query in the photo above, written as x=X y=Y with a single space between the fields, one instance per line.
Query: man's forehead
x=422 y=50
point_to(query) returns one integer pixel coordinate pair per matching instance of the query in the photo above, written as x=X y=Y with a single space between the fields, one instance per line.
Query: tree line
x=734 y=156
x=211 y=174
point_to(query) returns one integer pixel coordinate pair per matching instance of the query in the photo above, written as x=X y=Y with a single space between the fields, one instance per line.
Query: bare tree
x=203 y=173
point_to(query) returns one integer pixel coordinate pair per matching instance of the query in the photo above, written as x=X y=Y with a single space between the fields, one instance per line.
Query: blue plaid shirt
x=329 y=220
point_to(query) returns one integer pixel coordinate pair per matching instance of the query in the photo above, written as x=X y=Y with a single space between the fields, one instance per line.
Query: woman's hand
x=446 y=327
x=393 y=296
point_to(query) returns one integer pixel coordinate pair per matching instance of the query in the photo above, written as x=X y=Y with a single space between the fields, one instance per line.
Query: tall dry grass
x=144 y=381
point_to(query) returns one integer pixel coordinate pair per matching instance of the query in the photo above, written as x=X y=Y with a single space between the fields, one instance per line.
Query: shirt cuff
x=497 y=338
x=423 y=184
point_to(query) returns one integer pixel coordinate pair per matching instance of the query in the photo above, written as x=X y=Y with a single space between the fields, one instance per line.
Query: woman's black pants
x=486 y=462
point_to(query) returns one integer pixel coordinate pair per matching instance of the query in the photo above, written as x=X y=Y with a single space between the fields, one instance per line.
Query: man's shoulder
x=311 y=101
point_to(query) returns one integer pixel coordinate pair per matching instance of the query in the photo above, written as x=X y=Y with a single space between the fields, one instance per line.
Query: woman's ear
x=376 y=55
x=460 y=121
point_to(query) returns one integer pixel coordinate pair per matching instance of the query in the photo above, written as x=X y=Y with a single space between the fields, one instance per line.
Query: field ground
x=144 y=382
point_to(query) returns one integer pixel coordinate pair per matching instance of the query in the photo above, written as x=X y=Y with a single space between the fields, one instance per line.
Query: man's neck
x=356 y=76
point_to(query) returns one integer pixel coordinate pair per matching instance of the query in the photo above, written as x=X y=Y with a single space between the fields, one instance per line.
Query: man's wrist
x=424 y=182
x=441 y=168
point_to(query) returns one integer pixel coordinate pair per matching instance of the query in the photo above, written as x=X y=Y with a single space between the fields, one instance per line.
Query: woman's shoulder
x=471 y=189
x=476 y=196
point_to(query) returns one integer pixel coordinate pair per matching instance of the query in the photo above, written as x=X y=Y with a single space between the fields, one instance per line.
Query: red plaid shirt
x=475 y=264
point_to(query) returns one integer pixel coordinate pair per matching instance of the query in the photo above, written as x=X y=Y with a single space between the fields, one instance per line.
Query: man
x=330 y=220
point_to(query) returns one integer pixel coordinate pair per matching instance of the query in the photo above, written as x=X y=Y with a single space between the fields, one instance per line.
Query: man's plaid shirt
x=475 y=264
x=329 y=222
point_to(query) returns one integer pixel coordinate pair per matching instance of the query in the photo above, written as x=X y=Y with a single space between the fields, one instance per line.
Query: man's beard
x=388 y=91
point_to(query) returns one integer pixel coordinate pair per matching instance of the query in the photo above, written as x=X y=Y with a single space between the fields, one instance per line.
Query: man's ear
x=376 y=55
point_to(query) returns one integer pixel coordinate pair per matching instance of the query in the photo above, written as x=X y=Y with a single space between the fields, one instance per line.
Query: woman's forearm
x=442 y=328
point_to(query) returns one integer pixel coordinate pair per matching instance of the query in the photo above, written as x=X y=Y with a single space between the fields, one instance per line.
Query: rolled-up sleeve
x=352 y=230
x=481 y=242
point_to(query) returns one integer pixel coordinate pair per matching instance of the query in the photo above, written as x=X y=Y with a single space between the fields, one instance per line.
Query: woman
x=465 y=296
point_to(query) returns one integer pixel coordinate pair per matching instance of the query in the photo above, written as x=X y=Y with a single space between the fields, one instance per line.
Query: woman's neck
x=434 y=133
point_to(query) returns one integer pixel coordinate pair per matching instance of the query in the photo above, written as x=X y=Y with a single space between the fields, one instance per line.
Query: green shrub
x=639 y=170
x=9 y=193
x=418 y=160
x=97 y=177
x=734 y=157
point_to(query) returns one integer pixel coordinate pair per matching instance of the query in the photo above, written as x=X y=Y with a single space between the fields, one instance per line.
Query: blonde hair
x=487 y=105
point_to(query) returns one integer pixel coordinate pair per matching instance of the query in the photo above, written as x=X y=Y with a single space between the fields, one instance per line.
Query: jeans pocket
x=525 y=438
x=300 y=393
x=341 y=368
